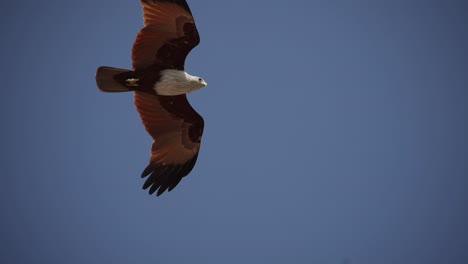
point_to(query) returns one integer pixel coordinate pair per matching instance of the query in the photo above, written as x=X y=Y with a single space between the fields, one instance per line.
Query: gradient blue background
x=336 y=132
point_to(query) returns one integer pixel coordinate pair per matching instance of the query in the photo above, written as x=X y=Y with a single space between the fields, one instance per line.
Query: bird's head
x=197 y=82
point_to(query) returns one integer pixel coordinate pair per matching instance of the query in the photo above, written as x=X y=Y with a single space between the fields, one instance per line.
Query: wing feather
x=168 y=36
x=155 y=11
x=176 y=129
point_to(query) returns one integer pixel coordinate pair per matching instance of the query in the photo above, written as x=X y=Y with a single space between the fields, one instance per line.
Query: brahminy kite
x=160 y=85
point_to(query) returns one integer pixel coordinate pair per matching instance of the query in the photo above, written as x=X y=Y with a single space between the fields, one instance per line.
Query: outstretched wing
x=176 y=129
x=168 y=36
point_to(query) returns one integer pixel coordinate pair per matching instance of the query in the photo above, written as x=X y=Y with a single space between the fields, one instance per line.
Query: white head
x=196 y=81
x=175 y=82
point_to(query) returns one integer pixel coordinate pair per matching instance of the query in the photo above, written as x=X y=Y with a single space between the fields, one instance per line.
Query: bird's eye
x=200 y=79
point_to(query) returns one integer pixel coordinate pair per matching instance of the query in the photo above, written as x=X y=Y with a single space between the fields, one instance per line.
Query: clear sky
x=335 y=132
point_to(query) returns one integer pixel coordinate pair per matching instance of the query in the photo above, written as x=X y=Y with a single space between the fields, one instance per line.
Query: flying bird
x=160 y=84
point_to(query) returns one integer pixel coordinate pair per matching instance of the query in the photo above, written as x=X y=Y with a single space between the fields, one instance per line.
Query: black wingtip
x=148 y=170
x=166 y=177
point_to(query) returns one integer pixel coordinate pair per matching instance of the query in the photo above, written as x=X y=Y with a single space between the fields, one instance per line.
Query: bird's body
x=160 y=85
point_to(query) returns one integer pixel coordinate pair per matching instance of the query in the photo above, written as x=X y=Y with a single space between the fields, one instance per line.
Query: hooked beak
x=204 y=83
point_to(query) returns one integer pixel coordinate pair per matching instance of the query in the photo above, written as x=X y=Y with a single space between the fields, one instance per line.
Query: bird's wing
x=176 y=129
x=168 y=36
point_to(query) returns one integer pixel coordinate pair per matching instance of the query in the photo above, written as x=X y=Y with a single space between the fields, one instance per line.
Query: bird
x=160 y=84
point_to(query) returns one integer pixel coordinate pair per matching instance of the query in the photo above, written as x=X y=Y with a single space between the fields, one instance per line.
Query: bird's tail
x=115 y=80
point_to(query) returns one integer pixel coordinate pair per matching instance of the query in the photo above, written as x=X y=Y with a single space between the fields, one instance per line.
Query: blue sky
x=335 y=132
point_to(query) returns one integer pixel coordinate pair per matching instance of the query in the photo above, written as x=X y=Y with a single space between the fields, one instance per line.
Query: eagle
x=160 y=84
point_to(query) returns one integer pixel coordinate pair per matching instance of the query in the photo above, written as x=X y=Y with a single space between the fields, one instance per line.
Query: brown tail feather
x=107 y=82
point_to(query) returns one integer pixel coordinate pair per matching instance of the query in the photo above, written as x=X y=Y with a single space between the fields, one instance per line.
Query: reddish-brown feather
x=162 y=12
x=164 y=22
x=176 y=133
x=147 y=43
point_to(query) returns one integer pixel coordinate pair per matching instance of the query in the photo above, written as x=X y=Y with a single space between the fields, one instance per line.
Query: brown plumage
x=168 y=35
